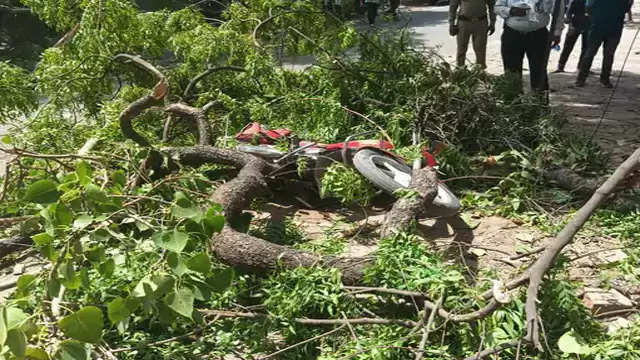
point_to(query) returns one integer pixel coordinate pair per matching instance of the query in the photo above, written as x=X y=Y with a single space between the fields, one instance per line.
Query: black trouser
x=597 y=37
x=535 y=45
x=393 y=5
x=569 y=42
x=372 y=12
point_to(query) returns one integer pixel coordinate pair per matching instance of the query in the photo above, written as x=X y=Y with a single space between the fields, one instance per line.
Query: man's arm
x=501 y=8
x=453 y=11
x=557 y=17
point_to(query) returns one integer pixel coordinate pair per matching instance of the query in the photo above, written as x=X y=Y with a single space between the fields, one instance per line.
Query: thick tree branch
x=209 y=71
x=546 y=260
x=197 y=116
x=406 y=209
x=143 y=64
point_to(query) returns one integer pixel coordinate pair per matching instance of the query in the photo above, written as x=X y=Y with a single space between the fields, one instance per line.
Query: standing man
x=578 y=22
x=607 y=21
x=472 y=23
x=372 y=10
x=525 y=33
x=393 y=7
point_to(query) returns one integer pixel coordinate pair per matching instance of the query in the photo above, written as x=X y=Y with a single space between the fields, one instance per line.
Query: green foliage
x=346 y=184
x=310 y=292
x=403 y=263
x=18 y=93
x=141 y=254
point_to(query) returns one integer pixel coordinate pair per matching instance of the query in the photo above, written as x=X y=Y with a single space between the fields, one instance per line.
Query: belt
x=467 y=18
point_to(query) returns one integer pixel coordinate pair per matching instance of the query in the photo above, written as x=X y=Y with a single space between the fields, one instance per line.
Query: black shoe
x=559 y=70
x=580 y=83
x=606 y=83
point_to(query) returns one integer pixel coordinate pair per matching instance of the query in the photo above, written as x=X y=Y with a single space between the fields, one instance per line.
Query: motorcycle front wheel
x=389 y=175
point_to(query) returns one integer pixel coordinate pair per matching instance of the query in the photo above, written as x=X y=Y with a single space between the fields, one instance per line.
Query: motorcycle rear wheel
x=389 y=175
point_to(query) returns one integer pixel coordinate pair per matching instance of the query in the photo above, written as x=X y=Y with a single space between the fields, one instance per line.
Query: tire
x=389 y=174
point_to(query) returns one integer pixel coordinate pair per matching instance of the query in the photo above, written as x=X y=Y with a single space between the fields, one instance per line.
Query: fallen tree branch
x=488 y=352
x=143 y=64
x=197 y=116
x=406 y=209
x=466 y=317
x=206 y=73
x=427 y=329
x=313 y=322
x=547 y=259
x=12 y=245
x=303 y=342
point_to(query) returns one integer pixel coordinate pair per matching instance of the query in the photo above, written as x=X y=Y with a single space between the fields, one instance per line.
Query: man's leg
x=537 y=50
x=512 y=50
x=480 y=29
x=372 y=12
x=464 y=33
x=594 y=40
x=611 y=42
x=569 y=42
x=584 y=42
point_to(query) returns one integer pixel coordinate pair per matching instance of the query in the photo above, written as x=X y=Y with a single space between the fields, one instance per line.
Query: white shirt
x=539 y=14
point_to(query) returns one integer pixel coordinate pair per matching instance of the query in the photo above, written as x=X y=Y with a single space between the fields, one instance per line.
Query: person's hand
x=491 y=29
x=518 y=11
x=453 y=30
x=555 y=40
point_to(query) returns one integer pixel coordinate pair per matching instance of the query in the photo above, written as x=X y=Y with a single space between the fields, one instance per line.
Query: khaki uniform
x=473 y=20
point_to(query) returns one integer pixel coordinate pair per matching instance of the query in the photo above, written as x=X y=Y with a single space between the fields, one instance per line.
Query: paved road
x=618 y=132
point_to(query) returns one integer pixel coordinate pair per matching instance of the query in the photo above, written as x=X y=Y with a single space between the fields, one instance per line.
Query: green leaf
x=73 y=350
x=36 y=354
x=7 y=139
x=82 y=221
x=107 y=268
x=17 y=342
x=180 y=212
x=571 y=343
x=200 y=263
x=177 y=265
x=3 y=325
x=42 y=192
x=117 y=310
x=139 y=290
x=63 y=215
x=95 y=254
x=119 y=178
x=83 y=172
x=85 y=324
x=181 y=199
x=212 y=222
x=95 y=194
x=174 y=241
x=221 y=280
x=26 y=283
x=15 y=318
x=42 y=239
x=181 y=302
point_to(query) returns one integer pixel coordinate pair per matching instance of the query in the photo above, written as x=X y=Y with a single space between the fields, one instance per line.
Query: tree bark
x=406 y=209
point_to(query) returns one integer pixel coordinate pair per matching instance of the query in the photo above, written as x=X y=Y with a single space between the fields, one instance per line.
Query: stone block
x=602 y=301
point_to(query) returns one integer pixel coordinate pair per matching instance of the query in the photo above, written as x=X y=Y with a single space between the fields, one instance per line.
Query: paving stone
x=611 y=257
x=602 y=301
